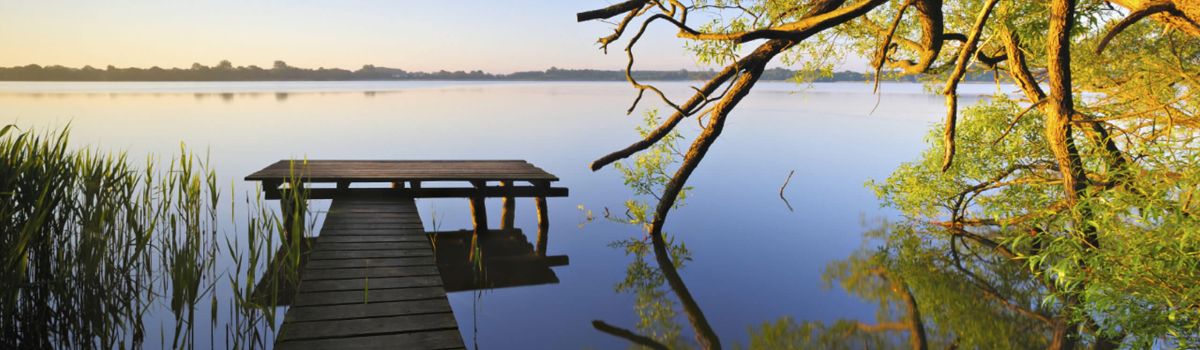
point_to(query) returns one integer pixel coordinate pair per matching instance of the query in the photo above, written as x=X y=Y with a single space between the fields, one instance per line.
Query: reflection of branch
x=627 y=335
x=916 y=328
x=741 y=75
x=785 y=183
x=704 y=333
x=990 y=291
x=890 y=326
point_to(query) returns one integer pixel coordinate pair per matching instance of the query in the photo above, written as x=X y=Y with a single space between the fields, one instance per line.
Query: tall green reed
x=90 y=245
x=74 y=241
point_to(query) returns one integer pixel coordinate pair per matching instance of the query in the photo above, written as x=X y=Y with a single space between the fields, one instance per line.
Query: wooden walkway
x=372 y=279
x=371 y=282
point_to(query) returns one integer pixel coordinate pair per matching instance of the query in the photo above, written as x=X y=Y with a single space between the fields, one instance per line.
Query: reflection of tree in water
x=928 y=296
x=645 y=280
x=647 y=175
x=930 y=293
x=1086 y=178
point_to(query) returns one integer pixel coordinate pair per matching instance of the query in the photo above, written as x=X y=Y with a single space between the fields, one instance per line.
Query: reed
x=92 y=244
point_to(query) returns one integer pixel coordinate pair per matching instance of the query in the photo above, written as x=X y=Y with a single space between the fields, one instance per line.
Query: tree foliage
x=1082 y=182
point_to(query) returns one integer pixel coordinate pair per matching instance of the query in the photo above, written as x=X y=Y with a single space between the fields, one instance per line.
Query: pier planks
x=371 y=282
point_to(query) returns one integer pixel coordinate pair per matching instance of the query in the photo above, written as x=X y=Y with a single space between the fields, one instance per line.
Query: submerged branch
x=628 y=335
x=781 y=188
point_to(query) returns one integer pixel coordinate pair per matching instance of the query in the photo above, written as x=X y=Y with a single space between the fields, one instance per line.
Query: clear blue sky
x=495 y=36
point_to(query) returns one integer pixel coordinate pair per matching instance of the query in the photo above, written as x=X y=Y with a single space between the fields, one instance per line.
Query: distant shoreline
x=281 y=72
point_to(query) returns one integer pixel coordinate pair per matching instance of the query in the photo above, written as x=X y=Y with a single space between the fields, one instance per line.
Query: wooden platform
x=372 y=279
x=402 y=170
x=413 y=173
x=371 y=282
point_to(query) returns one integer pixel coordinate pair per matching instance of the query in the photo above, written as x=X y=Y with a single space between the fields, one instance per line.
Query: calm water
x=754 y=260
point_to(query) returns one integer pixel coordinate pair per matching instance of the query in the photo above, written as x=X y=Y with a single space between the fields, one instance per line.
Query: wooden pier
x=372 y=279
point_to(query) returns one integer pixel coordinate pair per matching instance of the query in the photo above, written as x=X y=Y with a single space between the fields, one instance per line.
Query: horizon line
x=364 y=66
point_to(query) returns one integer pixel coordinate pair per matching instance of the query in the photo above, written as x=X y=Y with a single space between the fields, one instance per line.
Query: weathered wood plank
x=446 y=339
x=373 y=262
x=371 y=237
x=351 y=311
x=350 y=229
x=432 y=192
x=360 y=254
x=358 y=232
x=368 y=296
x=368 y=284
x=330 y=246
x=333 y=171
x=366 y=326
x=370 y=272
x=369 y=211
x=370 y=281
x=335 y=221
x=360 y=211
x=375 y=202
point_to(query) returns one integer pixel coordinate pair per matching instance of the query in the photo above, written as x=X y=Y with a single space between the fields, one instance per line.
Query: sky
x=493 y=36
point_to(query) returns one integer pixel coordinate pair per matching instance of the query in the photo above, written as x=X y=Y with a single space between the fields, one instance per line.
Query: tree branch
x=609 y=12
x=1061 y=105
x=881 y=54
x=1185 y=17
x=686 y=109
x=991 y=292
x=1132 y=18
x=1017 y=119
x=951 y=89
x=929 y=14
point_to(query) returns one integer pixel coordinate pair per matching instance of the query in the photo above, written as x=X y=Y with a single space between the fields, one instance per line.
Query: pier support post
x=508 y=208
x=543 y=218
x=478 y=214
x=479 y=210
x=543 y=225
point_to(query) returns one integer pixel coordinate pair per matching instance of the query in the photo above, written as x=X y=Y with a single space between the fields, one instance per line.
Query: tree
x=927 y=298
x=1092 y=195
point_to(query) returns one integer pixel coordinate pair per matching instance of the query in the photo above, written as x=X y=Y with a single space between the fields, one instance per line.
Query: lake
x=754 y=258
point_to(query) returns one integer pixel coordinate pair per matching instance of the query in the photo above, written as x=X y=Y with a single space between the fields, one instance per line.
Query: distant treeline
x=226 y=71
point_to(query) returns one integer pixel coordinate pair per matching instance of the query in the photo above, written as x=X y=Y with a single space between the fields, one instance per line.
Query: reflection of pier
x=373 y=279
x=494 y=259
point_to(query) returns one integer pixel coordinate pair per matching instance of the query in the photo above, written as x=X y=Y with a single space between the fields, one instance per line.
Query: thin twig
x=781 y=188
x=1017 y=119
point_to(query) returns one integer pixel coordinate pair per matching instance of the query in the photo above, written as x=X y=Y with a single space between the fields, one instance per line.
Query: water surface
x=754 y=259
